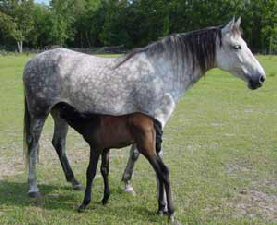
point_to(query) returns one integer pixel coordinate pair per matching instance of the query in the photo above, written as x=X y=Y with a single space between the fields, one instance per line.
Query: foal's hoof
x=76 y=185
x=82 y=208
x=34 y=194
x=105 y=199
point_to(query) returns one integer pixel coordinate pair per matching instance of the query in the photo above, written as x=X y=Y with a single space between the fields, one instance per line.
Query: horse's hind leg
x=105 y=174
x=58 y=141
x=129 y=170
x=32 y=141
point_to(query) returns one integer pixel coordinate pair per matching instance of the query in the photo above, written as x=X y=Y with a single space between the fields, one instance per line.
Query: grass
x=221 y=147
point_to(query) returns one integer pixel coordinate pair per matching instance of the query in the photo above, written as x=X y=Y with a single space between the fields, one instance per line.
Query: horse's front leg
x=129 y=170
x=105 y=174
x=91 y=172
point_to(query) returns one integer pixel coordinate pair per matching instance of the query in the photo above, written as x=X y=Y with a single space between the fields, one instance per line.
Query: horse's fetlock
x=29 y=139
x=171 y=210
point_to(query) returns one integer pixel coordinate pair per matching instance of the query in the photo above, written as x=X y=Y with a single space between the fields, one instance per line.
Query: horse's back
x=60 y=61
x=92 y=84
x=48 y=77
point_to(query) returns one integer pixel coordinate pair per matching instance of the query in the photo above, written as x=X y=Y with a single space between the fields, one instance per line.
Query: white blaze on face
x=235 y=57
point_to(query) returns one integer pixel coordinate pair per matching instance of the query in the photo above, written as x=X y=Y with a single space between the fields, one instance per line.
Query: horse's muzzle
x=256 y=81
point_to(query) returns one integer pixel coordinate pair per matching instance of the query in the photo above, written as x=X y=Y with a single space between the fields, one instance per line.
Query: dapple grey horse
x=150 y=80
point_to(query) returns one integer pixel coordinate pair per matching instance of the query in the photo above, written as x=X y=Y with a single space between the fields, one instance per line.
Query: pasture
x=220 y=146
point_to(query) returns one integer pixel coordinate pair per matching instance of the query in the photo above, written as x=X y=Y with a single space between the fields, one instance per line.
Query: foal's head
x=234 y=56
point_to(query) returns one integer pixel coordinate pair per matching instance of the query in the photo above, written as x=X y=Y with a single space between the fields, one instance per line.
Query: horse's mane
x=199 y=44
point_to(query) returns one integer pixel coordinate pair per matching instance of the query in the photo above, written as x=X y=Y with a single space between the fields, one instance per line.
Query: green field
x=221 y=147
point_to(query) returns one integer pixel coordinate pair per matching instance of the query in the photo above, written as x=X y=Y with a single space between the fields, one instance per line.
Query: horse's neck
x=180 y=74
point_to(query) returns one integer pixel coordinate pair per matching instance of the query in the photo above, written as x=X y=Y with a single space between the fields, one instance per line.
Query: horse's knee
x=135 y=154
x=104 y=170
x=165 y=170
x=56 y=142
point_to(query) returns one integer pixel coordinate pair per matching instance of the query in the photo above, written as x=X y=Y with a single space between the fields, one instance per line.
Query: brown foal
x=103 y=132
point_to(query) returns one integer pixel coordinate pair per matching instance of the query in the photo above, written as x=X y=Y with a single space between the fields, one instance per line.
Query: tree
x=20 y=20
x=6 y=26
x=89 y=19
x=42 y=27
x=61 y=21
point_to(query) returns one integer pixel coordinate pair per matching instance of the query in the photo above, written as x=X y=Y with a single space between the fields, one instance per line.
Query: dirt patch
x=11 y=165
x=12 y=157
x=254 y=204
x=12 y=161
x=240 y=166
x=258 y=200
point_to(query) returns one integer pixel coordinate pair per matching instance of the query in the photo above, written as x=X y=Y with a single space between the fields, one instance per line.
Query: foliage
x=21 y=24
x=131 y=23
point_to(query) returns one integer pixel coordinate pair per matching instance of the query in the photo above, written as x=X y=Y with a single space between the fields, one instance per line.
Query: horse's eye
x=236 y=47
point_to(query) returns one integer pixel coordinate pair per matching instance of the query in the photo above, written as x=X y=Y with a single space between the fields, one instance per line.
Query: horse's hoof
x=173 y=221
x=76 y=185
x=34 y=194
x=176 y=223
x=82 y=208
x=105 y=199
x=162 y=212
x=129 y=189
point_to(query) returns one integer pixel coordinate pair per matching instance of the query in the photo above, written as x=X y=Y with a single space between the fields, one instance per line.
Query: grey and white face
x=235 y=57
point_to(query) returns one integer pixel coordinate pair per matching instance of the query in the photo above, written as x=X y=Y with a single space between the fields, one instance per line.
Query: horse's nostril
x=262 y=79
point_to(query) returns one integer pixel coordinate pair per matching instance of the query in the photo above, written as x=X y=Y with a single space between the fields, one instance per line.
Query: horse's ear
x=237 y=24
x=229 y=27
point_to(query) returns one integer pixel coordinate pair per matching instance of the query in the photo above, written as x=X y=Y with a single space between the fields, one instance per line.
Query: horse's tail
x=26 y=132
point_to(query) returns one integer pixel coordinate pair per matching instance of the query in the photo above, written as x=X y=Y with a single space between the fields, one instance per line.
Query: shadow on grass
x=13 y=194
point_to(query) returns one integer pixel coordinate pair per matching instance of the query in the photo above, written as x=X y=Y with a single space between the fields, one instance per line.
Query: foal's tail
x=26 y=132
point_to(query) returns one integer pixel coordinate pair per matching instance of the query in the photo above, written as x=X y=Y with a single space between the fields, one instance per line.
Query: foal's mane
x=200 y=45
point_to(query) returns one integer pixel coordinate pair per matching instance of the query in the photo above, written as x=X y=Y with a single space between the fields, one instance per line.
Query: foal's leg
x=32 y=141
x=161 y=198
x=163 y=176
x=105 y=174
x=91 y=172
x=128 y=172
x=161 y=192
x=58 y=141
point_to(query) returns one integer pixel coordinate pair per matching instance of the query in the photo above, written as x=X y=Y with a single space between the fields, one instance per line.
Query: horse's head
x=234 y=56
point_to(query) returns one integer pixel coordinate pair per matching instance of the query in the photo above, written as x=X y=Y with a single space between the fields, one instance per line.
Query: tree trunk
x=20 y=46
